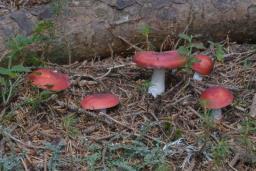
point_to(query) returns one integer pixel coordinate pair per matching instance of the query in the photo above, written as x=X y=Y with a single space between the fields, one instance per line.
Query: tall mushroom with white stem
x=203 y=66
x=100 y=102
x=216 y=98
x=159 y=62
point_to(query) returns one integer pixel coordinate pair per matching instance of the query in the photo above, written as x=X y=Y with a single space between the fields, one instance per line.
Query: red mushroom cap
x=204 y=65
x=160 y=60
x=49 y=79
x=99 y=101
x=216 y=97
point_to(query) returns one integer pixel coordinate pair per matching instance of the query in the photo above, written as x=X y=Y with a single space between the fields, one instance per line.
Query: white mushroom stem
x=197 y=77
x=174 y=71
x=217 y=114
x=103 y=111
x=157 y=86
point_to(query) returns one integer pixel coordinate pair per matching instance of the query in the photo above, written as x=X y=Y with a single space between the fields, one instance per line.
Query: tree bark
x=92 y=28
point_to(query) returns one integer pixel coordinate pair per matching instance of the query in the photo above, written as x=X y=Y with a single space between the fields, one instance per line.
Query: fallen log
x=94 y=27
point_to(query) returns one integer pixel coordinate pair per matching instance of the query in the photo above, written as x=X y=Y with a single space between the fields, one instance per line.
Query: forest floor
x=43 y=130
x=49 y=131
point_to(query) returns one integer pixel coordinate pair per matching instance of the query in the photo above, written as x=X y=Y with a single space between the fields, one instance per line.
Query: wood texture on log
x=91 y=27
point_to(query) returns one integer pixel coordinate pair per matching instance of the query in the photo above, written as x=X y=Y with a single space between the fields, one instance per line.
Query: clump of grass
x=220 y=152
x=69 y=122
x=248 y=128
x=58 y=6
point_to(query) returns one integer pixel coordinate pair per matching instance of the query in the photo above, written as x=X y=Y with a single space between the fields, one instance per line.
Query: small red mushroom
x=203 y=66
x=159 y=61
x=100 y=101
x=49 y=79
x=216 y=98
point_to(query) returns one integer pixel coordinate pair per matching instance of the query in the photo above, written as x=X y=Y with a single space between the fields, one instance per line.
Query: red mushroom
x=216 y=98
x=49 y=79
x=100 y=101
x=203 y=66
x=159 y=61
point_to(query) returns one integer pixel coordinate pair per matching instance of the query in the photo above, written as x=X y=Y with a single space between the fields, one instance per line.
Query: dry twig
x=253 y=107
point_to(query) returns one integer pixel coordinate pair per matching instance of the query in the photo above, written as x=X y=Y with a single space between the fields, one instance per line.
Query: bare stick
x=21 y=142
x=24 y=165
x=132 y=45
x=253 y=107
x=234 y=161
x=109 y=71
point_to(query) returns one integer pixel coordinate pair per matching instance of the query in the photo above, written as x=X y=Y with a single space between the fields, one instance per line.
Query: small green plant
x=17 y=46
x=219 y=51
x=207 y=117
x=171 y=131
x=69 y=122
x=45 y=26
x=14 y=71
x=20 y=51
x=145 y=31
x=188 y=47
x=220 y=152
x=207 y=121
x=22 y=48
x=144 y=85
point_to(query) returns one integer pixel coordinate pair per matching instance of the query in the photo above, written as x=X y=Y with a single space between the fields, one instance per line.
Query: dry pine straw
x=178 y=105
